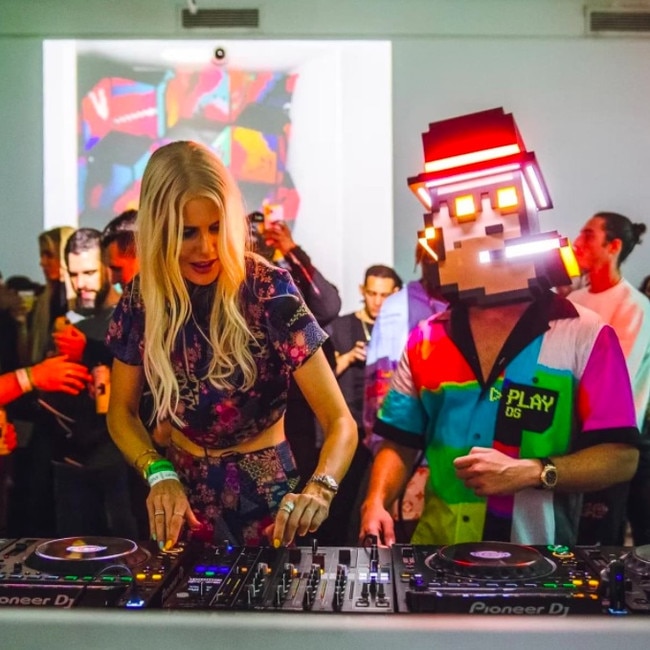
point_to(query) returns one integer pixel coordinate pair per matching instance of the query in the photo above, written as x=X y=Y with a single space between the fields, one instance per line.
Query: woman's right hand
x=169 y=510
x=60 y=375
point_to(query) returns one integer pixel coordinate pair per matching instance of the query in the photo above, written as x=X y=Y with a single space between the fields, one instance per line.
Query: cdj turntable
x=88 y=572
x=495 y=578
x=295 y=579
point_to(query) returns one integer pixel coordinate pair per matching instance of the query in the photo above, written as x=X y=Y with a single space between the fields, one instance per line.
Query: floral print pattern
x=236 y=496
x=286 y=335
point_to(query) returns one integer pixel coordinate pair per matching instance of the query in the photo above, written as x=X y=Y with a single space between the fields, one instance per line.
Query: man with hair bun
x=604 y=243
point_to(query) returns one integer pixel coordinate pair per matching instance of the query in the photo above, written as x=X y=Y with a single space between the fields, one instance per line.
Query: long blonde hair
x=175 y=174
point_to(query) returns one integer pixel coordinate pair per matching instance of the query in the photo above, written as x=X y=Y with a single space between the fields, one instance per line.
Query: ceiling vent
x=618 y=21
x=220 y=18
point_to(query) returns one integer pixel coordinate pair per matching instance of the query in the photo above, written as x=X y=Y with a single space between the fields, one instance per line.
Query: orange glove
x=59 y=374
x=8 y=439
x=70 y=341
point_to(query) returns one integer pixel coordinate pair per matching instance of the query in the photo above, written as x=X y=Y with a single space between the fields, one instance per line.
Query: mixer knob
x=417 y=581
x=278 y=598
x=250 y=595
x=307 y=600
x=338 y=601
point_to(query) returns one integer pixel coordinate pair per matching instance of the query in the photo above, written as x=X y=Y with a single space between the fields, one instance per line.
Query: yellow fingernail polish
x=168 y=544
x=276 y=543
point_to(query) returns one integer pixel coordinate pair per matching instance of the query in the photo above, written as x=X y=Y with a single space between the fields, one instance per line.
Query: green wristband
x=162 y=465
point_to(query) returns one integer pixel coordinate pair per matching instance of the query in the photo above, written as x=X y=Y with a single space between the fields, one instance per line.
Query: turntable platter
x=638 y=561
x=85 y=554
x=491 y=561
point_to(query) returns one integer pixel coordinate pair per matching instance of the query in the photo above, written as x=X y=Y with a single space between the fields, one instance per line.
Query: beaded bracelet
x=162 y=476
x=24 y=380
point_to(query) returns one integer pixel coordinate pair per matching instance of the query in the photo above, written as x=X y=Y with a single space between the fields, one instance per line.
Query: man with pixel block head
x=520 y=400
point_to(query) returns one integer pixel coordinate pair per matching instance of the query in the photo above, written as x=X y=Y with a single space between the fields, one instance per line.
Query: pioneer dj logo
x=555 y=609
x=59 y=600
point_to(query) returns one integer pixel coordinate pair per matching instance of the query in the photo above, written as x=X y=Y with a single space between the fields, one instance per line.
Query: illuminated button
x=550 y=585
x=140 y=576
x=593 y=583
x=108 y=578
x=578 y=582
x=156 y=576
x=71 y=577
x=126 y=578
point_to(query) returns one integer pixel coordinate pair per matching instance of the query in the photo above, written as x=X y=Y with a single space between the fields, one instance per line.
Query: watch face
x=549 y=476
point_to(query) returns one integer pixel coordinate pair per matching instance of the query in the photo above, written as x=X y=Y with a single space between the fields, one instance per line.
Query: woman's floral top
x=286 y=336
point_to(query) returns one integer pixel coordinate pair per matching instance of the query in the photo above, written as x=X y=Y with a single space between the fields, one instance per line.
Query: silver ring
x=288 y=507
x=158 y=512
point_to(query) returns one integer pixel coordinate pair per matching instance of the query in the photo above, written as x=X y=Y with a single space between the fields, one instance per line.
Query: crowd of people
x=186 y=373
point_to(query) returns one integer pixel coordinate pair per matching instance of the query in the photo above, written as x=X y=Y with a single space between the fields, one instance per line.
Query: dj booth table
x=161 y=630
x=108 y=593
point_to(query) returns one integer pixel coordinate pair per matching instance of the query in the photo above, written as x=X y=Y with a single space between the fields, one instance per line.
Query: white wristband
x=162 y=476
x=23 y=380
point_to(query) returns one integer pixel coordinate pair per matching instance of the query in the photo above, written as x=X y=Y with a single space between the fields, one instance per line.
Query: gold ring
x=178 y=514
x=288 y=507
x=158 y=512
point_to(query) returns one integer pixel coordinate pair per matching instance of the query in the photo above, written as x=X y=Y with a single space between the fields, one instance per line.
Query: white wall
x=581 y=101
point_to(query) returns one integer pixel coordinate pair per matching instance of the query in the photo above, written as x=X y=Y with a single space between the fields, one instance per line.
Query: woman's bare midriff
x=270 y=437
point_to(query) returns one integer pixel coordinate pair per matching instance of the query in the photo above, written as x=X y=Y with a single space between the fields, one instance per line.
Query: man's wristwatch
x=548 y=477
x=327 y=481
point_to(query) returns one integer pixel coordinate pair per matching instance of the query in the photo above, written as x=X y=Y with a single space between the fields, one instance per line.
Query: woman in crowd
x=217 y=332
x=58 y=297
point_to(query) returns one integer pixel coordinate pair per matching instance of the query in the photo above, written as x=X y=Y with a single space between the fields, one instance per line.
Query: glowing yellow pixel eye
x=507 y=198
x=465 y=207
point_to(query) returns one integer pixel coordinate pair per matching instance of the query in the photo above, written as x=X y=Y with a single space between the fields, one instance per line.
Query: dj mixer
x=489 y=578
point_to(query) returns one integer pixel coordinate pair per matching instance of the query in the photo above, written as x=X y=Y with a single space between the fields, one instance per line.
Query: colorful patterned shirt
x=559 y=385
x=286 y=335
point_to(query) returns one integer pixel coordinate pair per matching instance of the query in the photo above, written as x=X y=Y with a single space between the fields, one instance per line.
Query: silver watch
x=327 y=481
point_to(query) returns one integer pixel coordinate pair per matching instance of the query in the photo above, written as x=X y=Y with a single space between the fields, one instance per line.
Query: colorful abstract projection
x=243 y=116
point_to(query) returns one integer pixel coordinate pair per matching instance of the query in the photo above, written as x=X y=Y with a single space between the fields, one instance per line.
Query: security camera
x=219 y=53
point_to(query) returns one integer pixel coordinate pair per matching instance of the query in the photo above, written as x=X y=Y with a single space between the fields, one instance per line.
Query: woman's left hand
x=300 y=514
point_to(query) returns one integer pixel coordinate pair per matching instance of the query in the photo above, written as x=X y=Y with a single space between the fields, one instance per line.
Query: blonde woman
x=217 y=332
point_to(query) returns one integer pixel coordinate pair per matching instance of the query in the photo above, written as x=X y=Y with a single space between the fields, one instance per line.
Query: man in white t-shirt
x=604 y=242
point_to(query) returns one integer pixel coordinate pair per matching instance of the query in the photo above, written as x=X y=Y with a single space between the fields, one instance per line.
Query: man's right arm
x=390 y=472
